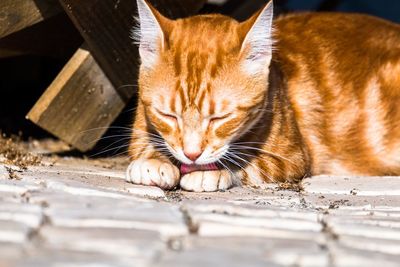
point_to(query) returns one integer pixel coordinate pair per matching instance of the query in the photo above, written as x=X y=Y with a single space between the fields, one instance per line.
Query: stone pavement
x=79 y=212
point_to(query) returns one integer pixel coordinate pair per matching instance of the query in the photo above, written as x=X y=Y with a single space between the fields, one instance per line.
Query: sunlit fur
x=328 y=102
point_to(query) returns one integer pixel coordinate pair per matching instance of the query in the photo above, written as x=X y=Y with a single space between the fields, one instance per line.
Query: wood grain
x=16 y=15
x=55 y=37
x=242 y=10
x=80 y=103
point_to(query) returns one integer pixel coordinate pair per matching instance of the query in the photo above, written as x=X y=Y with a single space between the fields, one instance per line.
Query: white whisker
x=241 y=147
x=251 y=164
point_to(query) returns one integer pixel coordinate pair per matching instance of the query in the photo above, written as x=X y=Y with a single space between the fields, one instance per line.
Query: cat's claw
x=153 y=172
x=206 y=181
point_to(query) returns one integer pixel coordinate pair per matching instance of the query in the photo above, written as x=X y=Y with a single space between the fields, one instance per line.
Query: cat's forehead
x=205 y=33
x=199 y=46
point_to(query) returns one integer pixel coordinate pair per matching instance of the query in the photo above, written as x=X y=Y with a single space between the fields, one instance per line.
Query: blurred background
x=388 y=9
x=31 y=58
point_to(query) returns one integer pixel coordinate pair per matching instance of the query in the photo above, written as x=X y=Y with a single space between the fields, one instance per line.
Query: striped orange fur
x=320 y=94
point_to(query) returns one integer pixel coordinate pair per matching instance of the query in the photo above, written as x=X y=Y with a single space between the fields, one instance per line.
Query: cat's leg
x=156 y=172
x=207 y=181
x=254 y=175
x=148 y=165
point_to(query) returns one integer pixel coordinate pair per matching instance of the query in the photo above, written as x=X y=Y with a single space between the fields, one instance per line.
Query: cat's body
x=342 y=73
x=325 y=100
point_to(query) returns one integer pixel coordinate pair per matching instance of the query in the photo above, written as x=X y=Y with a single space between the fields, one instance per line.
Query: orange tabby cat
x=260 y=101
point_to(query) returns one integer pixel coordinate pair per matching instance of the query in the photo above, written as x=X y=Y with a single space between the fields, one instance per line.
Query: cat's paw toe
x=206 y=181
x=153 y=172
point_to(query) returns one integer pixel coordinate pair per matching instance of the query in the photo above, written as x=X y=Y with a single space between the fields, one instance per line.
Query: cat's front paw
x=206 y=181
x=153 y=172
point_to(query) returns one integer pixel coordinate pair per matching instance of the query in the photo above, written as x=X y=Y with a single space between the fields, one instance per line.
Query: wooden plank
x=55 y=37
x=80 y=103
x=178 y=8
x=4 y=53
x=242 y=10
x=106 y=28
x=16 y=15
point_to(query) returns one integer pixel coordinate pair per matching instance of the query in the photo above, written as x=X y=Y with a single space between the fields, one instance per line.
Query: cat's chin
x=188 y=168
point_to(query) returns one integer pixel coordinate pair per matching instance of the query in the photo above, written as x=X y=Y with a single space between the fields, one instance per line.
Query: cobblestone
x=14 y=232
x=76 y=212
x=245 y=251
x=164 y=218
x=376 y=186
x=15 y=187
x=10 y=253
x=28 y=214
x=124 y=242
x=52 y=258
x=347 y=257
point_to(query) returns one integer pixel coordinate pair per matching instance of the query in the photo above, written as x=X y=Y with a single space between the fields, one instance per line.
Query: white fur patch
x=207 y=181
x=179 y=155
x=336 y=166
x=136 y=32
x=375 y=130
x=192 y=142
x=208 y=156
x=153 y=172
x=254 y=176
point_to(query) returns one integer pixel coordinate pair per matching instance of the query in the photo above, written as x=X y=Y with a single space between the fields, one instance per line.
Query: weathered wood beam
x=80 y=103
x=178 y=8
x=55 y=37
x=16 y=15
x=240 y=9
x=4 y=53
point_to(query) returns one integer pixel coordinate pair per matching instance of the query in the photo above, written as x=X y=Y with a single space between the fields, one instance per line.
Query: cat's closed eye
x=167 y=115
x=215 y=118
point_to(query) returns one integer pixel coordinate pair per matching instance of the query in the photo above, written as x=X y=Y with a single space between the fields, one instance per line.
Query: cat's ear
x=256 y=50
x=151 y=32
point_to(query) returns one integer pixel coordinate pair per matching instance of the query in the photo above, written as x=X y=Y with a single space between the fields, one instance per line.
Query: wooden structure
x=99 y=79
x=79 y=104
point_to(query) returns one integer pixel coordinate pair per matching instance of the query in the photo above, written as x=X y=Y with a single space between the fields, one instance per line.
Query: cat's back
x=349 y=38
x=330 y=26
x=343 y=81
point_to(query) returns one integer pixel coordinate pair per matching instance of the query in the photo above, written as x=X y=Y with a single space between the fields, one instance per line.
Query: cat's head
x=203 y=79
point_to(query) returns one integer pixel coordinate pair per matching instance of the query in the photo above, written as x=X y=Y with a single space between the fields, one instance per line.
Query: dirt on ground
x=13 y=152
x=289 y=186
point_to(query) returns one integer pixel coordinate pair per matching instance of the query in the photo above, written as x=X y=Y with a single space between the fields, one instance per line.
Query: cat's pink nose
x=192 y=155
